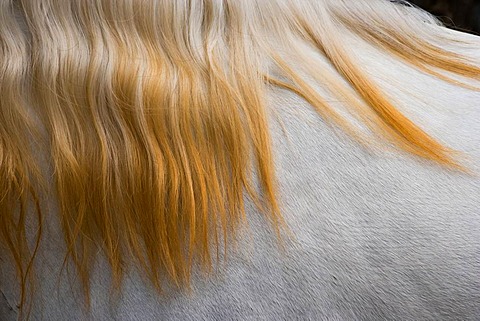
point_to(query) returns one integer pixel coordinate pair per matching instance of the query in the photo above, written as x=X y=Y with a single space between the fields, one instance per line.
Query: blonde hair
x=156 y=117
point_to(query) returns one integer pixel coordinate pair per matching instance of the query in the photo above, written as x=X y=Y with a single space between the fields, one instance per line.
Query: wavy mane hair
x=154 y=116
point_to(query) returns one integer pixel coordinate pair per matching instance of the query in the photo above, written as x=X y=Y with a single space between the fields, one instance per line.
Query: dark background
x=462 y=15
